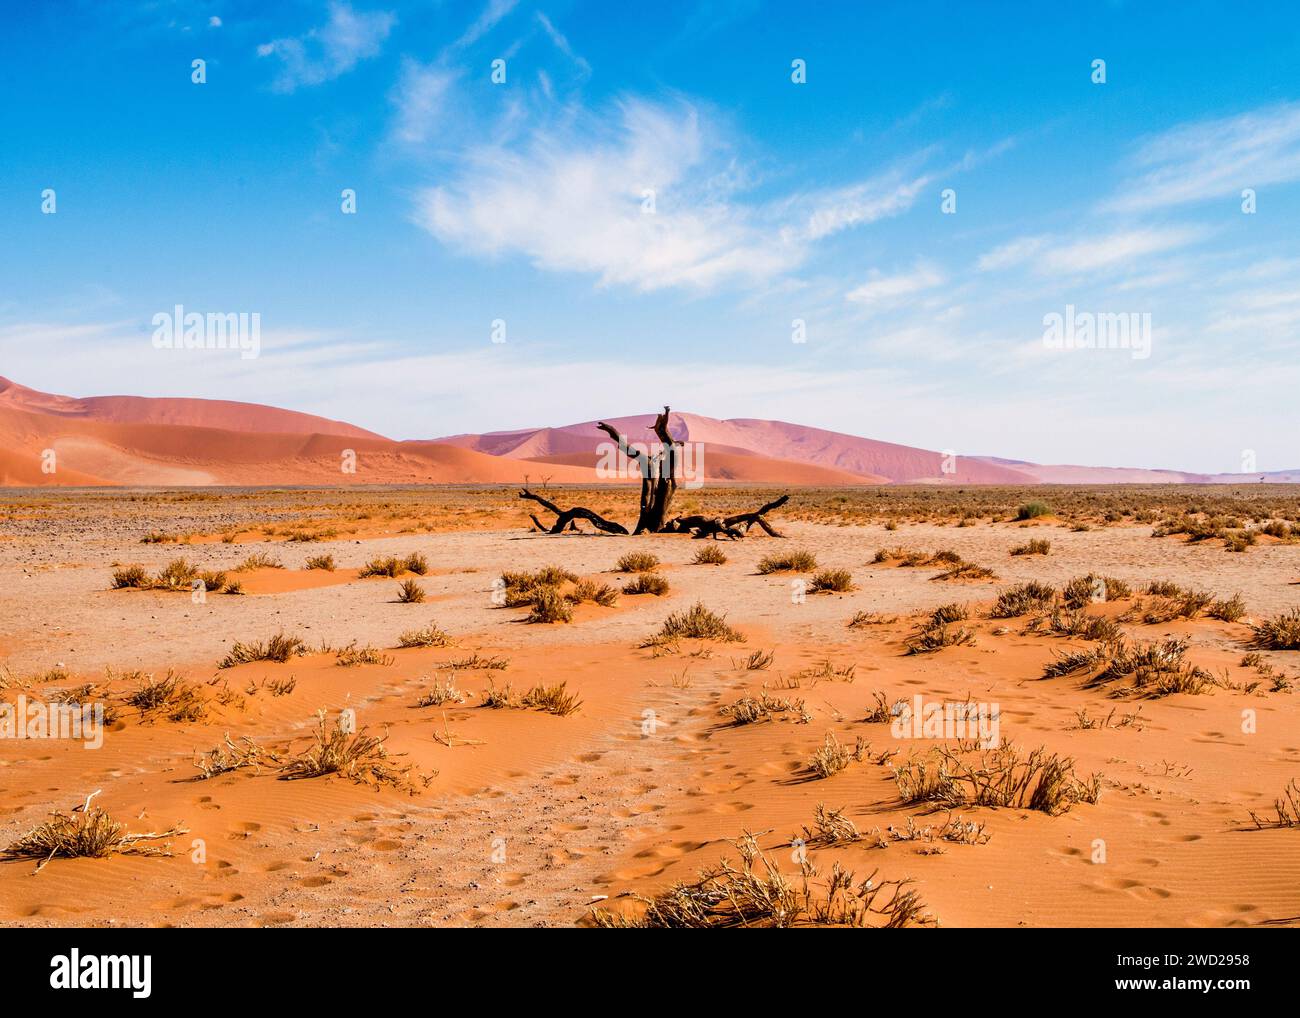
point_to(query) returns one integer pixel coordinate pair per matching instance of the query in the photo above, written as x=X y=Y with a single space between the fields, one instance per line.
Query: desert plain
x=473 y=723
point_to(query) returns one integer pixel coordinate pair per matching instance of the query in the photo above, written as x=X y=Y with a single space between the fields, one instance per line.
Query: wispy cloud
x=1095 y=253
x=882 y=289
x=332 y=49
x=1214 y=159
x=649 y=196
x=422 y=98
x=493 y=14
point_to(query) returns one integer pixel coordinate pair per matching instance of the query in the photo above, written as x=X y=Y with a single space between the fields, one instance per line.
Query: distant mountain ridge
x=48 y=439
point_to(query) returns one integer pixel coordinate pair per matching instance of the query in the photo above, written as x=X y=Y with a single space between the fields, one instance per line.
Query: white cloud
x=1096 y=253
x=214 y=22
x=1014 y=252
x=492 y=15
x=332 y=49
x=882 y=289
x=572 y=198
x=1214 y=159
x=422 y=99
x=562 y=43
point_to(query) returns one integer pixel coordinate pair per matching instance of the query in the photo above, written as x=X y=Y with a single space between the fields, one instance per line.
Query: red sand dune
x=132 y=440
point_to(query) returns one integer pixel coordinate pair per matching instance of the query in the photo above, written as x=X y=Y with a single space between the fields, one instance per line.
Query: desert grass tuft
x=132 y=576
x=710 y=555
x=801 y=561
x=352 y=655
x=695 y=623
x=86 y=833
x=1282 y=632
x=647 y=583
x=410 y=592
x=1021 y=599
x=759 y=895
x=429 y=636
x=359 y=756
x=552 y=699
x=838 y=581
x=637 y=562
x=1035 y=547
x=1003 y=777
x=278 y=648
x=169 y=696
x=549 y=606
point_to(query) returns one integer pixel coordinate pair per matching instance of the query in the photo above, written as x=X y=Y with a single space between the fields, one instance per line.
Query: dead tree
x=658 y=470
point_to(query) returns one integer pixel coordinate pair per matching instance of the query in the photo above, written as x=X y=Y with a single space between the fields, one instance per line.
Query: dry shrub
x=832 y=757
x=410 y=592
x=178 y=574
x=883 y=711
x=790 y=562
x=710 y=555
x=999 y=777
x=278 y=648
x=1083 y=590
x=932 y=636
x=1286 y=807
x=498 y=699
x=1228 y=609
x=130 y=576
x=169 y=696
x=963 y=570
x=352 y=655
x=355 y=755
x=725 y=897
x=429 y=636
x=1033 y=510
x=695 y=623
x=441 y=693
x=748 y=710
x=647 y=583
x=1186 y=604
x=1077 y=623
x=479 y=661
x=549 y=605
x=597 y=593
x=831 y=580
x=830 y=827
x=760 y=660
x=233 y=756
x=416 y=563
x=85 y=833
x=325 y=562
x=552 y=699
x=1158 y=669
x=1282 y=632
x=1021 y=599
x=637 y=562
x=1035 y=547
x=947 y=613
x=390 y=566
x=259 y=560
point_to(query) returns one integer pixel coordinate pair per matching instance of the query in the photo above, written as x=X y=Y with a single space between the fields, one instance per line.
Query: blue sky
x=773 y=201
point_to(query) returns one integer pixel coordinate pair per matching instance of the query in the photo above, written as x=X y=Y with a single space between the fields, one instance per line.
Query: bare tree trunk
x=567 y=517
x=658 y=474
x=658 y=486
